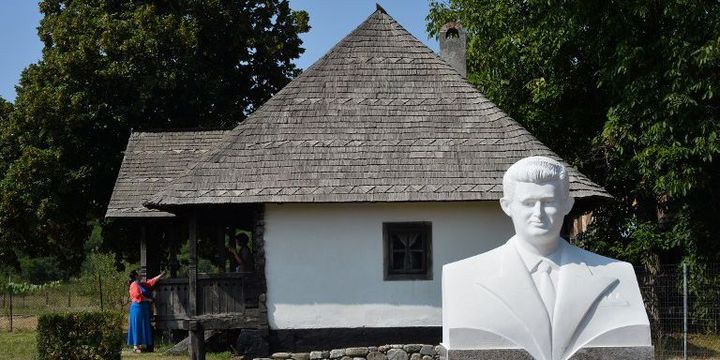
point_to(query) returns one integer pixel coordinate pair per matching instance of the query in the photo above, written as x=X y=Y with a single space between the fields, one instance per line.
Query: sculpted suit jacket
x=490 y=302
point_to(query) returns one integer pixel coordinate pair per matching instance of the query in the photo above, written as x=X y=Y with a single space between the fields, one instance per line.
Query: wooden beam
x=250 y=318
x=192 y=266
x=143 y=251
x=220 y=256
x=197 y=340
x=173 y=239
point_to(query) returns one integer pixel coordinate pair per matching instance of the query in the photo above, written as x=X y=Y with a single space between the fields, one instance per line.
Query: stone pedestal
x=597 y=353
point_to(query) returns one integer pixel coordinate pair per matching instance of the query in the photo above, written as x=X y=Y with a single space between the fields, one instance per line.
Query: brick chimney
x=453 y=40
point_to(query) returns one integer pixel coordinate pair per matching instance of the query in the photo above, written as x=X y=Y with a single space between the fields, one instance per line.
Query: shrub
x=101 y=268
x=80 y=336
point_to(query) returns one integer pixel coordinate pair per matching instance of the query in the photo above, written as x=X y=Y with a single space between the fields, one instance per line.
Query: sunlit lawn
x=21 y=345
x=18 y=345
x=700 y=346
x=159 y=355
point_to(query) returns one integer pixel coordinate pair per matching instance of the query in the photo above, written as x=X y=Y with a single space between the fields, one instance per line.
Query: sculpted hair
x=535 y=169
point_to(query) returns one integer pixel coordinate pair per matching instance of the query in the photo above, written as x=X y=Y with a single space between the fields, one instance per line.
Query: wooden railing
x=226 y=293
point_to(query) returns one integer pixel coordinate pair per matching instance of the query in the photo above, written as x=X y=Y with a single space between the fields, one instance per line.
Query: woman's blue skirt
x=140 y=331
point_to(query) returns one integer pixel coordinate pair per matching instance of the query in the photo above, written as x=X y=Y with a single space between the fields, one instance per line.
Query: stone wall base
x=306 y=340
x=384 y=352
x=596 y=353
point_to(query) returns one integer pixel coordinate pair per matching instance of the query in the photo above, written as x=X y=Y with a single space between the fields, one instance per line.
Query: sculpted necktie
x=546 y=287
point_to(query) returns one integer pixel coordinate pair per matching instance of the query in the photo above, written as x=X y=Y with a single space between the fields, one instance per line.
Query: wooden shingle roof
x=152 y=160
x=379 y=118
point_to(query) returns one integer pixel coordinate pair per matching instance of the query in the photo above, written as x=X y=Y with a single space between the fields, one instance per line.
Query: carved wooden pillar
x=143 y=251
x=197 y=340
x=173 y=239
x=192 y=266
x=228 y=259
x=196 y=334
x=219 y=234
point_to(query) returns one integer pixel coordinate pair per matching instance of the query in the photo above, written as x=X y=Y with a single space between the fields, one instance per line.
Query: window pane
x=416 y=261
x=397 y=243
x=416 y=243
x=398 y=261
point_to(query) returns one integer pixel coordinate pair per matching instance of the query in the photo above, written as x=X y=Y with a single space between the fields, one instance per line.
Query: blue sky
x=330 y=20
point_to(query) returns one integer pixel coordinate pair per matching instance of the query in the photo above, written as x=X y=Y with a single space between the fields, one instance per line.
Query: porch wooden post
x=192 y=266
x=220 y=243
x=197 y=338
x=143 y=251
x=173 y=262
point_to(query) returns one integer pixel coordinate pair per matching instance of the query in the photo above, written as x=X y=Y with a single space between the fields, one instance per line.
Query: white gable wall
x=324 y=262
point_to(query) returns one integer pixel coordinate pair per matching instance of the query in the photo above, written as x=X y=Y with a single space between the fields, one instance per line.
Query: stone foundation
x=384 y=352
x=306 y=340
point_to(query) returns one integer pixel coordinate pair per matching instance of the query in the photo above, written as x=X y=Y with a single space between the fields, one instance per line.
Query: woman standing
x=140 y=330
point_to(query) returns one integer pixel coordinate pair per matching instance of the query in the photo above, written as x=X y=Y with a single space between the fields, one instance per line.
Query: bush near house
x=80 y=336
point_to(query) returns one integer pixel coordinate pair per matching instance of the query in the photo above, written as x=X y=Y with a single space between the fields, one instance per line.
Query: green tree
x=111 y=66
x=7 y=254
x=5 y=109
x=625 y=91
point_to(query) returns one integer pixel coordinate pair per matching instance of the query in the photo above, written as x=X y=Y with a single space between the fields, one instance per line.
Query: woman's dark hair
x=241 y=238
x=133 y=275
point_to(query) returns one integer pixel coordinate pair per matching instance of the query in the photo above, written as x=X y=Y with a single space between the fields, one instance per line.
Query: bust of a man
x=537 y=292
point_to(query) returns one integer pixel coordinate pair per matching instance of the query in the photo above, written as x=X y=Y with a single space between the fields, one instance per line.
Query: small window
x=452 y=33
x=408 y=248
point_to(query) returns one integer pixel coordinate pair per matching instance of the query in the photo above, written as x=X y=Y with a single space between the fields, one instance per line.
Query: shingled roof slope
x=152 y=160
x=379 y=118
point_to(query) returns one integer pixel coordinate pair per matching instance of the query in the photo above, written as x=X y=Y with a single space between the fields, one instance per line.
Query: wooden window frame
x=425 y=227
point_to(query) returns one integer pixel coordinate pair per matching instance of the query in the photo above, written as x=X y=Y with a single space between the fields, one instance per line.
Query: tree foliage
x=100 y=274
x=624 y=90
x=111 y=66
x=5 y=109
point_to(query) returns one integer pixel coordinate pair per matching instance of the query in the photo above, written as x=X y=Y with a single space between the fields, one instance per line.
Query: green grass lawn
x=17 y=345
x=21 y=345
x=159 y=355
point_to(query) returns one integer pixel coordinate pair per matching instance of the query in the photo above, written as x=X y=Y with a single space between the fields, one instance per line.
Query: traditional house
x=358 y=180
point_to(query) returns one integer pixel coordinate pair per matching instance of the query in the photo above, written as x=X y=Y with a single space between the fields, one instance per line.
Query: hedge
x=80 y=336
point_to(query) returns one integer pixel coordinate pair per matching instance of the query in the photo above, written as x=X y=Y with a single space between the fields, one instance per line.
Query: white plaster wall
x=324 y=262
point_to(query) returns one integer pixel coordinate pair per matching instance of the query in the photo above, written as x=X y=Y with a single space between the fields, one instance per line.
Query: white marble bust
x=537 y=292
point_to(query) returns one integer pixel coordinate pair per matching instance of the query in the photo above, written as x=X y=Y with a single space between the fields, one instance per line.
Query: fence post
x=102 y=306
x=685 y=311
x=10 y=292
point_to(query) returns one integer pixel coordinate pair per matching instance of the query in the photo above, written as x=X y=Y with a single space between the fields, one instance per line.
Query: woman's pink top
x=136 y=292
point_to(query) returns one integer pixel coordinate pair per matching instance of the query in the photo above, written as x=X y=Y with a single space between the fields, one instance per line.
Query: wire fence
x=684 y=310
x=683 y=306
x=20 y=306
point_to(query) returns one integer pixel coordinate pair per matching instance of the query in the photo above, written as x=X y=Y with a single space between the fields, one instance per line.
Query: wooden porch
x=228 y=294
x=196 y=301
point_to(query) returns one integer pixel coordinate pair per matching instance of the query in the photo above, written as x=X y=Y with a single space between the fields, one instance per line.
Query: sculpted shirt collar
x=532 y=260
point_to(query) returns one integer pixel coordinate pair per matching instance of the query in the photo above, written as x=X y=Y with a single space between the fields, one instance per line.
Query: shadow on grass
x=700 y=346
